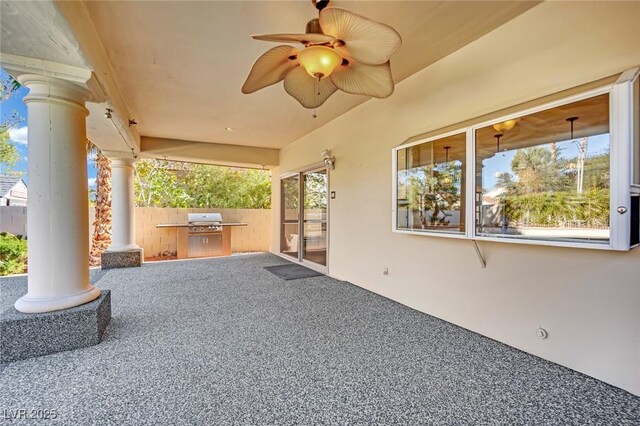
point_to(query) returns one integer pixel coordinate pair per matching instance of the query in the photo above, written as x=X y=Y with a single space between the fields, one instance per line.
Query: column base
x=113 y=248
x=33 y=305
x=122 y=259
x=25 y=336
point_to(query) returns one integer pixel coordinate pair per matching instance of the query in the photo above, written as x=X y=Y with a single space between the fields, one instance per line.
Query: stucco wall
x=586 y=299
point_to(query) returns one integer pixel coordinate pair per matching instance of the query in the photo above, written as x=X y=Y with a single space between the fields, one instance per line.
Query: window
x=546 y=175
x=563 y=174
x=431 y=185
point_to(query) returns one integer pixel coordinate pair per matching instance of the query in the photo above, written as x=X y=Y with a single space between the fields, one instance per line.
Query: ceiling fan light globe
x=319 y=61
x=505 y=126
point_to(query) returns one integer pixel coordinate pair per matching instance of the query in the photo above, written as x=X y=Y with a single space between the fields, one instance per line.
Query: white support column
x=58 y=216
x=123 y=234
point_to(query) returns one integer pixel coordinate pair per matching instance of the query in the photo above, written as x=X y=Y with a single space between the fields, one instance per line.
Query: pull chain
x=316 y=84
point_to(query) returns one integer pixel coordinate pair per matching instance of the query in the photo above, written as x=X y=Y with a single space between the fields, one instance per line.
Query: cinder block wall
x=256 y=236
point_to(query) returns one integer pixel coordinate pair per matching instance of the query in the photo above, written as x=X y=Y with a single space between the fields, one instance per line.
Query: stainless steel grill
x=204 y=222
x=205 y=234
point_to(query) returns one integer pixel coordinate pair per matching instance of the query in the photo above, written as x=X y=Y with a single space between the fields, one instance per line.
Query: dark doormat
x=292 y=271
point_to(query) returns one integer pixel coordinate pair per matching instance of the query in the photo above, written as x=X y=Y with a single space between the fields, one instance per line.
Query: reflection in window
x=430 y=192
x=289 y=236
x=546 y=175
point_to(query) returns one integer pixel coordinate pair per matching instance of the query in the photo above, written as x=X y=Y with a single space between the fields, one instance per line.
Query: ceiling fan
x=342 y=51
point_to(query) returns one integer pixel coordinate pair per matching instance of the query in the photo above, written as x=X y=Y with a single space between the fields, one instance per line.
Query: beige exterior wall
x=588 y=300
x=256 y=236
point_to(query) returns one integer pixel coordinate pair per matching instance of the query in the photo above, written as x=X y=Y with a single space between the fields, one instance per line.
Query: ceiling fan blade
x=364 y=79
x=366 y=41
x=304 y=88
x=271 y=68
x=306 y=39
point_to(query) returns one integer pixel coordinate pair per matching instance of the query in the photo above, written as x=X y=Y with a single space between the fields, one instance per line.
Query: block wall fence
x=256 y=236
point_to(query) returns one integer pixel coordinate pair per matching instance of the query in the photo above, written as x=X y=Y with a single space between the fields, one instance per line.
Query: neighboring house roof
x=491 y=197
x=7 y=183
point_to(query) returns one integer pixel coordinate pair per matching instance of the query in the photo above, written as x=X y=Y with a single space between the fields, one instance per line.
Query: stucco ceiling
x=35 y=29
x=180 y=65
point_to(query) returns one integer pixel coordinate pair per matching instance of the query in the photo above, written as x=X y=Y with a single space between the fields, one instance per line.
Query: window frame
x=394 y=167
x=621 y=124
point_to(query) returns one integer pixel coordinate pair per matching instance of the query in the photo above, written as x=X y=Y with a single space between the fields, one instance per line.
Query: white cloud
x=18 y=135
x=91 y=182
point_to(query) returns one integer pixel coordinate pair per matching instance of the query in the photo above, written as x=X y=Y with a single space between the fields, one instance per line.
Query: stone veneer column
x=123 y=235
x=58 y=216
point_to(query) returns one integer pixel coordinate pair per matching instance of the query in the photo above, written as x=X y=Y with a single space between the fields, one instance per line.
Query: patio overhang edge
x=209 y=153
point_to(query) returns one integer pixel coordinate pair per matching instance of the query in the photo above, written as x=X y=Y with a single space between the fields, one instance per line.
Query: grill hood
x=204 y=218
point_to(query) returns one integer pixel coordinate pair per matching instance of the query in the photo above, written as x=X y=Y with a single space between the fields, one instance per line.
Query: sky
x=501 y=163
x=18 y=134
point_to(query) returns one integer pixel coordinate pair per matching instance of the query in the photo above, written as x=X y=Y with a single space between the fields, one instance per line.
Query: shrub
x=13 y=254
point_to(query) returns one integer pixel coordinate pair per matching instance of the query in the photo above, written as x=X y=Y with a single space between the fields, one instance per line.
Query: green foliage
x=9 y=85
x=13 y=254
x=435 y=188
x=315 y=194
x=533 y=167
x=290 y=193
x=589 y=209
x=161 y=183
x=543 y=190
x=9 y=154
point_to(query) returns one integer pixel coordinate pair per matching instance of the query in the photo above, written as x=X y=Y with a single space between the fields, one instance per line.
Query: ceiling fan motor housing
x=313 y=27
x=320 y=4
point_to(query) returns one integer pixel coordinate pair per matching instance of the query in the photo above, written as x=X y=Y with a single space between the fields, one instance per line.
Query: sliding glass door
x=290 y=229
x=304 y=217
x=314 y=218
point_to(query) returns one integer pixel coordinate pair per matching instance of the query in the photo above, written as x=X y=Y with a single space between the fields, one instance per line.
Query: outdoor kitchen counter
x=186 y=225
x=202 y=243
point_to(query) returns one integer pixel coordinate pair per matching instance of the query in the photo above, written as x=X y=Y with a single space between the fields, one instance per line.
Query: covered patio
x=223 y=341
x=470 y=195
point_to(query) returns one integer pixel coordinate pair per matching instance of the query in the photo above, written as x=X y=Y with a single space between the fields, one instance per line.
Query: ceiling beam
x=209 y=153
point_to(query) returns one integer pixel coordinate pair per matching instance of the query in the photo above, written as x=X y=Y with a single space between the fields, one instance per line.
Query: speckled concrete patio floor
x=223 y=341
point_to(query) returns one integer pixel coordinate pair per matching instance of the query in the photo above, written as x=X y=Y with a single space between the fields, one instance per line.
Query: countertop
x=185 y=225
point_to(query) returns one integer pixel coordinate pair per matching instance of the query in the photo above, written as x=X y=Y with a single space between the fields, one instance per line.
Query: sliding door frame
x=311 y=265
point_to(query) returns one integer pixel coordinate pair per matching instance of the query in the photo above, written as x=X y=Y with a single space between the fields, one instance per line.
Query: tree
x=315 y=194
x=155 y=184
x=101 y=238
x=162 y=183
x=532 y=166
x=547 y=189
x=9 y=154
x=435 y=189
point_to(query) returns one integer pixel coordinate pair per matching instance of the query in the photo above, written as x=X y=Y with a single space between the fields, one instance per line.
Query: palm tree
x=101 y=238
x=532 y=166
